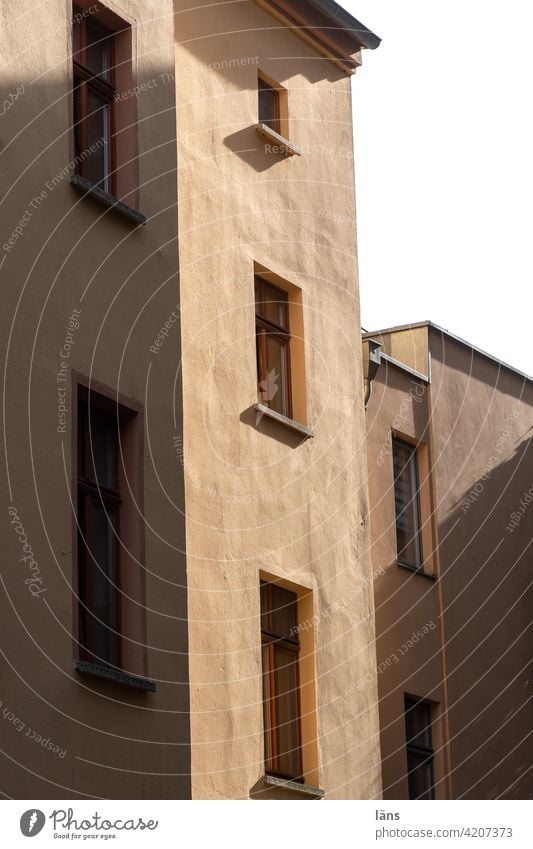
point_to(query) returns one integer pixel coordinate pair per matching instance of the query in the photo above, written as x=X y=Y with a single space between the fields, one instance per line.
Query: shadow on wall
x=486 y=563
x=66 y=251
x=240 y=34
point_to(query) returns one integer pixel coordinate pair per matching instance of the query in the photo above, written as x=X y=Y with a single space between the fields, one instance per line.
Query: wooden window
x=407 y=504
x=269 y=105
x=94 y=100
x=281 y=699
x=273 y=346
x=420 y=755
x=99 y=503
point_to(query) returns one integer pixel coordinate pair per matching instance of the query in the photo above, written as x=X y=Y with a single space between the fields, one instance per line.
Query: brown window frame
x=414 y=476
x=422 y=755
x=85 y=79
x=269 y=640
x=264 y=328
x=109 y=497
x=273 y=121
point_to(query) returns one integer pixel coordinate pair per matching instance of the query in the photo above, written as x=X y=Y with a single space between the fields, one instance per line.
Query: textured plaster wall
x=257 y=496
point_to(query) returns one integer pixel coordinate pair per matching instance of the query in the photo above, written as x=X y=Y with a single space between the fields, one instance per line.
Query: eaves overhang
x=328 y=27
x=443 y=332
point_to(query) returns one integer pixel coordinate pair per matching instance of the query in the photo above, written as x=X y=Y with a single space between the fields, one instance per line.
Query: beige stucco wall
x=124 y=281
x=257 y=496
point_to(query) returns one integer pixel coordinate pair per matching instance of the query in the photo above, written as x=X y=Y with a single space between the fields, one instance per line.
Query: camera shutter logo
x=32 y=822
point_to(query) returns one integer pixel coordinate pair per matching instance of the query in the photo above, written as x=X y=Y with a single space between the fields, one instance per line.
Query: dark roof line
x=431 y=324
x=362 y=34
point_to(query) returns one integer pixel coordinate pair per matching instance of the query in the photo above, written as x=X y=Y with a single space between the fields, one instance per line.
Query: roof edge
x=432 y=326
x=328 y=27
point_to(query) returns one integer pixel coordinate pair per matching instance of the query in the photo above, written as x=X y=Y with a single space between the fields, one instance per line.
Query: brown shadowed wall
x=74 y=254
x=473 y=423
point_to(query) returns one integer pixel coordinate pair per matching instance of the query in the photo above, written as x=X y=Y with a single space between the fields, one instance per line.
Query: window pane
x=420 y=777
x=102 y=450
x=97 y=581
x=76 y=33
x=98 y=138
x=267 y=707
x=284 y=616
x=78 y=117
x=418 y=725
x=268 y=106
x=271 y=304
x=406 y=499
x=98 y=49
x=265 y=606
x=274 y=388
x=287 y=730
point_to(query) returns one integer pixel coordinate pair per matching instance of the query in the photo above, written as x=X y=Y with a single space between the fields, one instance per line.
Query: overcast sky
x=444 y=146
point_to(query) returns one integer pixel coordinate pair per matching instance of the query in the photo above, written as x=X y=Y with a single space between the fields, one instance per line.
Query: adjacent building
x=450 y=476
x=187 y=594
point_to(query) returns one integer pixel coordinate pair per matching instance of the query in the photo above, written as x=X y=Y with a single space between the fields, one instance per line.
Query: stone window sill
x=280 y=144
x=417 y=571
x=293 y=786
x=115 y=675
x=263 y=410
x=88 y=188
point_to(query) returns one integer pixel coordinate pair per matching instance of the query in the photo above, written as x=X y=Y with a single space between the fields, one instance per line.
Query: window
x=273 y=346
x=99 y=504
x=94 y=99
x=419 y=749
x=269 y=105
x=407 y=504
x=281 y=696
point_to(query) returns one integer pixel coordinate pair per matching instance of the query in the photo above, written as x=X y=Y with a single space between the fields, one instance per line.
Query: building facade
x=187 y=596
x=94 y=663
x=450 y=466
x=274 y=450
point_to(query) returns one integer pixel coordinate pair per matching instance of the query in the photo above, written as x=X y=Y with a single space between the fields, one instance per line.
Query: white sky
x=444 y=145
